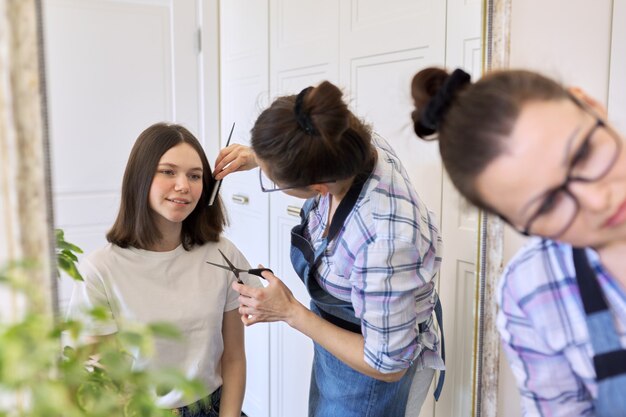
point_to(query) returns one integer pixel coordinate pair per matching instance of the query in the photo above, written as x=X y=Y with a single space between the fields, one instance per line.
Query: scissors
x=236 y=271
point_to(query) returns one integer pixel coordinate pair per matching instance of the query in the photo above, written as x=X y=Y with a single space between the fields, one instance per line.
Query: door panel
x=458 y=284
x=292 y=352
x=383 y=46
x=244 y=55
x=380 y=90
x=297 y=61
x=104 y=87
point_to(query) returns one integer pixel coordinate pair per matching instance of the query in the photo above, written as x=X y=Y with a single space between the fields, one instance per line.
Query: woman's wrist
x=298 y=315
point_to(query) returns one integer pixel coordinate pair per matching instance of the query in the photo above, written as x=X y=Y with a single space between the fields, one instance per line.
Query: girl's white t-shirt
x=178 y=287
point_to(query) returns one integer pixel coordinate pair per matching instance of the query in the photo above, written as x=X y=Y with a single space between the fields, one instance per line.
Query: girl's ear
x=583 y=97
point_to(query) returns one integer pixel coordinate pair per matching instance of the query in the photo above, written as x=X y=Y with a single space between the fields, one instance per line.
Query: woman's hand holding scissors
x=272 y=303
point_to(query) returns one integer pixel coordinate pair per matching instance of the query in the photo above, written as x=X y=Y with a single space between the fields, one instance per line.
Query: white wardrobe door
x=304 y=39
x=113 y=69
x=459 y=221
x=244 y=57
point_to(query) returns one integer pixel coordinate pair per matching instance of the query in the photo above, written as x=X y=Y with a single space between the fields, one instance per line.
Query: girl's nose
x=182 y=184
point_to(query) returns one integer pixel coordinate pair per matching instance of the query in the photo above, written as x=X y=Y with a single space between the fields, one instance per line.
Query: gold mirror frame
x=496 y=49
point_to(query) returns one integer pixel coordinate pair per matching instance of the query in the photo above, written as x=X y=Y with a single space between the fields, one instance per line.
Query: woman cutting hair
x=546 y=160
x=367 y=250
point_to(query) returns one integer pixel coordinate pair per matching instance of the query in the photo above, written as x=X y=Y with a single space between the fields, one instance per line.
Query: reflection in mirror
x=105 y=86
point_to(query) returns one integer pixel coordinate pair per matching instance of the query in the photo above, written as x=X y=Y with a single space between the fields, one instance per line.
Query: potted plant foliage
x=39 y=377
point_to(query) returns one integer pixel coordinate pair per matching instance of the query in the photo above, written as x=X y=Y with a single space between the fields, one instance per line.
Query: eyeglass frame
x=564 y=186
x=291 y=187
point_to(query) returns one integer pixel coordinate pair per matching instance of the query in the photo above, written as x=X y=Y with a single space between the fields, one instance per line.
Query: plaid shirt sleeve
x=547 y=384
x=388 y=277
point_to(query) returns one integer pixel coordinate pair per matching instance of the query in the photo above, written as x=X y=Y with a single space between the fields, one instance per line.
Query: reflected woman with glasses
x=546 y=160
x=367 y=250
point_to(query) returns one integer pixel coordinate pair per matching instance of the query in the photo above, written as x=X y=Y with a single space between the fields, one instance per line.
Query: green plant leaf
x=99 y=313
x=66 y=258
x=53 y=380
x=165 y=330
x=68 y=254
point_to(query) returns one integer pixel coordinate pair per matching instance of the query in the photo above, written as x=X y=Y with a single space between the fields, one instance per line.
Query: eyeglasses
x=593 y=159
x=269 y=186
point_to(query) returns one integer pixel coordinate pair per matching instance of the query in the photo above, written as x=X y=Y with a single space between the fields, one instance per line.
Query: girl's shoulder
x=224 y=244
x=232 y=252
x=102 y=255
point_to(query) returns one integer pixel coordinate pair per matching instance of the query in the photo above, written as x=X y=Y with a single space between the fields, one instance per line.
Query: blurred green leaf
x=99 y=313
x=165 y=330
x=66 y=258
x=48 y=379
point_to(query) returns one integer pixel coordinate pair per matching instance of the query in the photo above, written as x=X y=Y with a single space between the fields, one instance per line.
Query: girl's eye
x=195 y=177
x=166 y=171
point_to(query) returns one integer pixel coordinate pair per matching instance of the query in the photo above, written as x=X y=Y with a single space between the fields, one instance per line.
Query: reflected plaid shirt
x=542 y=324
x=384 y=261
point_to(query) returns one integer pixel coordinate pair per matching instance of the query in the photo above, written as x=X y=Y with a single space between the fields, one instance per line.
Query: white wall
x=569 y=40
x=617 y=85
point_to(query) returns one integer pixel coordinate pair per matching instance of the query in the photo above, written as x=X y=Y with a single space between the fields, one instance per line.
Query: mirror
x=105 y=86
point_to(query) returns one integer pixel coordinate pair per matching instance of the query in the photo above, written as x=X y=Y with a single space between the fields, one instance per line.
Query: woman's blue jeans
x=339 y=391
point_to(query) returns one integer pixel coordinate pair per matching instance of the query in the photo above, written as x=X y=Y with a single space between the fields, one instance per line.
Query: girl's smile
x=176 y=186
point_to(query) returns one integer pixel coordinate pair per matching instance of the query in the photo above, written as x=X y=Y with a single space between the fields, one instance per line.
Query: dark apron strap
x=442 y=373
x=325 y=301
x=609 y=357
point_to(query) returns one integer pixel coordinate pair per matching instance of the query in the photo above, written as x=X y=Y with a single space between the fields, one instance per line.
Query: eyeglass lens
x=593 y=159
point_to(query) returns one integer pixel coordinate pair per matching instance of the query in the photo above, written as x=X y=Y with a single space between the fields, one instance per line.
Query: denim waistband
x=206 y=406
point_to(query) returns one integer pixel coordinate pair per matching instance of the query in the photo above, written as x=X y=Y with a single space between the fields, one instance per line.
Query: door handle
x=293 y=211
x=240 y=199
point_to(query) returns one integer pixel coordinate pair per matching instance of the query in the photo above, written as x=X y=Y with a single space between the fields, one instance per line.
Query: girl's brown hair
x=135 y=225
x=477 y=119
x=312 y=138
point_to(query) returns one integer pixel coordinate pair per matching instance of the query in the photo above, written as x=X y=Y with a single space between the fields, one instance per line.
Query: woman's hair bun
x=323 y=106
x=433 y=91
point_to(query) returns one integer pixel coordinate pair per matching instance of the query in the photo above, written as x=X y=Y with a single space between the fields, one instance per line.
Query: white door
x=113 y=68
x=459 y=222
x=297 y=31
x=371 y=49
x=243 y=94
x=383 y=45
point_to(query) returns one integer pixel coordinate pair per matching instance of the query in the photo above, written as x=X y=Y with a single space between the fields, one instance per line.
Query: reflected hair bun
x=433 y=92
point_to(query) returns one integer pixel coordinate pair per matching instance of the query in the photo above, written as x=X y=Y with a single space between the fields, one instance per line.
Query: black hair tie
x=303 y=118
x=438 y=105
